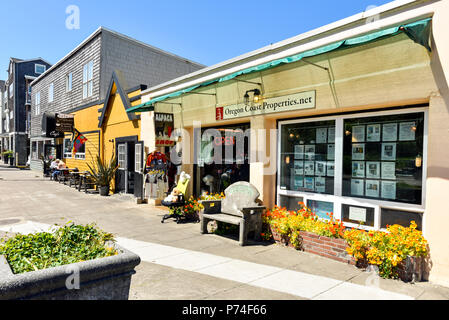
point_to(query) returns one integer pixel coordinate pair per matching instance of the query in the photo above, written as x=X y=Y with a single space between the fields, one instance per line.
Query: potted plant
x=103 y=173
x=72 y=262
x=6 y=155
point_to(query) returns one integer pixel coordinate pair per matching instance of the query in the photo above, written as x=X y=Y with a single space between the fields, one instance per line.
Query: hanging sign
x=298 y=101
x=164 y=125
x=65 y=122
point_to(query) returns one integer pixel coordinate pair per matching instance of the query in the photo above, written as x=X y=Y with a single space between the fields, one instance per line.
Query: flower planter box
x=327 y=247
x=100 y=279
x=279 y=238
x=320 y=245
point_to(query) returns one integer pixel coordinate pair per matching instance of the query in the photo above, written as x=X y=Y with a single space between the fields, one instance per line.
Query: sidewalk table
x=75 y=177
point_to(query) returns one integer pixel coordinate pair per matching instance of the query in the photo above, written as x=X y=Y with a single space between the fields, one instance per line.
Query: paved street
x=180 y=263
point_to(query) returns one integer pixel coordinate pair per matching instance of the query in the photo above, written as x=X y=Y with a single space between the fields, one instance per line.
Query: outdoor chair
x=182 y=187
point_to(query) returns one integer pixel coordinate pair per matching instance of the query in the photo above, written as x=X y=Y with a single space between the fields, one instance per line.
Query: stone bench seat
x=238 y=208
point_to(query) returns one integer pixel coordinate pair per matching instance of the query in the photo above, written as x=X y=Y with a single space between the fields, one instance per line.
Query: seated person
x=54 y=164
x=57 y=170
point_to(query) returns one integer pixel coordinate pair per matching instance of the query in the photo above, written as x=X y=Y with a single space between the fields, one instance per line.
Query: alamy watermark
x=73 y=20
x=72 y=282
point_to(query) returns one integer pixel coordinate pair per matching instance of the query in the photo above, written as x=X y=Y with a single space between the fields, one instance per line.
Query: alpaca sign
x=164 y=124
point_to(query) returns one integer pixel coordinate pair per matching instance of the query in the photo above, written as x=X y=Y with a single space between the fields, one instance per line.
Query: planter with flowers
x=190 y=211
x=398 y=253
x=303 y=230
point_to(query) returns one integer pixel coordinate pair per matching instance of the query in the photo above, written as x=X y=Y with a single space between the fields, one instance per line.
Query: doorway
x=125 y=175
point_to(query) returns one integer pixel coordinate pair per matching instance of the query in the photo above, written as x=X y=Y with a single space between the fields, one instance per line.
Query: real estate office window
x=367 y=169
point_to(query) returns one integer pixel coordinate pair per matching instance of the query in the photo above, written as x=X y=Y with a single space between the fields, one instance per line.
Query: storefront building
x=110 y=131
x=351 y=118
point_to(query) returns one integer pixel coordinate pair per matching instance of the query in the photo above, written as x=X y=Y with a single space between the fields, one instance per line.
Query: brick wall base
x=331 y=248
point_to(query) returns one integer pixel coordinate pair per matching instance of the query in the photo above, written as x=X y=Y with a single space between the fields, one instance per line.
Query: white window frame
x=138 y=158
x=51 y=92
x=337 y=199
x=80 y=156
x=122 y=156
x=88 y=75
x=68 y=82
x=39 y=65
x=37 y=102
x=11 y=90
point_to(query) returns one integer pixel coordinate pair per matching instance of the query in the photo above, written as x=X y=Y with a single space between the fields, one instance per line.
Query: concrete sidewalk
x=200 y=265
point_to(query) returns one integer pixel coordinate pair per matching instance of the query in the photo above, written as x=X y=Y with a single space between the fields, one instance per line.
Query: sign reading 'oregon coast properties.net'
x=302 y=100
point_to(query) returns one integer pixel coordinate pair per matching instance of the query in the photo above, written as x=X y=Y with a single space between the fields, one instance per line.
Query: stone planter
x=100 y=279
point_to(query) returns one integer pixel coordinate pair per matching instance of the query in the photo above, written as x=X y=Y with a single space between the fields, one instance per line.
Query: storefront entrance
x=214 y=176
x=124 y=177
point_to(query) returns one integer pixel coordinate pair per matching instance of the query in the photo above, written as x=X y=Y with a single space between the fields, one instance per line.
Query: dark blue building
x=18 y=111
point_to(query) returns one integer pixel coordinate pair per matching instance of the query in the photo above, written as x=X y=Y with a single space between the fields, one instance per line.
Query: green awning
x=418 y=31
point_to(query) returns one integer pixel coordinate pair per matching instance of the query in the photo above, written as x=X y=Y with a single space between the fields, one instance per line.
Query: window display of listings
x=308 y=151
x=379 y=157
x=356 y=165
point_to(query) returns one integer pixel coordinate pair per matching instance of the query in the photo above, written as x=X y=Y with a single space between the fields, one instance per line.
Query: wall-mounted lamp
x=287 y=160
x=348 y=133
x=418 y=161
x=256 y=98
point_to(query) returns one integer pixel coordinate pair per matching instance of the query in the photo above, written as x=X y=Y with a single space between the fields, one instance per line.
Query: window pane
x=403 y=218
x=321 y=208
x=90 y=89
x=382 y=157
x=291 y=203
x=90 y=70
x=85 y=73
x=84 y=90
x=50 y=93
x=358 y=215
x=307 y=157
x=138 y=157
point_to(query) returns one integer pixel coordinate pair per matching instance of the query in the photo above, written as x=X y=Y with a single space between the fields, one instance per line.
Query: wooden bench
x=238 y=208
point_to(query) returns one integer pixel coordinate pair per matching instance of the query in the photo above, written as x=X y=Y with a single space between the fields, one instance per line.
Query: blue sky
x=206 y=31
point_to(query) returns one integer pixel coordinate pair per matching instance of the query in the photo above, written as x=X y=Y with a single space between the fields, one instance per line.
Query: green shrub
x=66 y=245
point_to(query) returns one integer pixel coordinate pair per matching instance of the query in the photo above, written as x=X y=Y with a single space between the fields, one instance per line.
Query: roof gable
x=117 y=79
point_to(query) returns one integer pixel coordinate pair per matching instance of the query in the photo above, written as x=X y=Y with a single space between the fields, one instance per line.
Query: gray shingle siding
x=138 y=63
x=67 y=100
